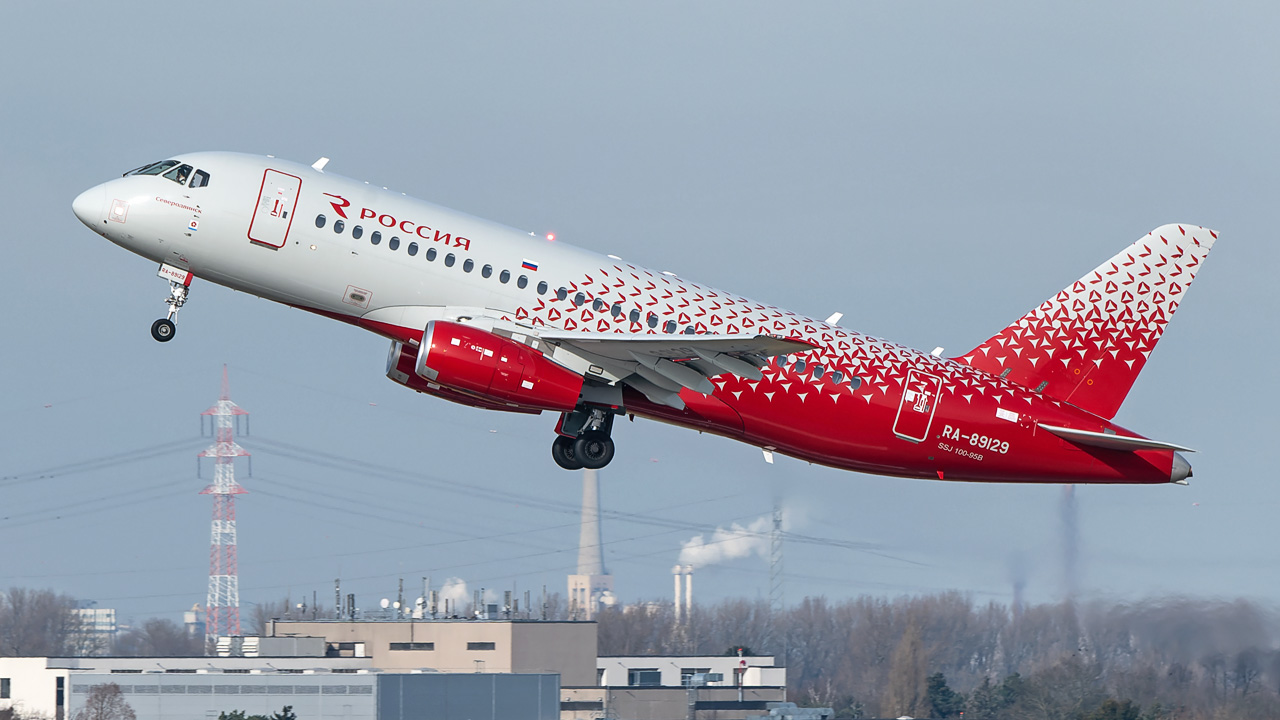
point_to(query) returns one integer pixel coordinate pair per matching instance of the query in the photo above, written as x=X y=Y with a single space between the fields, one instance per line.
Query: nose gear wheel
x=164 y=329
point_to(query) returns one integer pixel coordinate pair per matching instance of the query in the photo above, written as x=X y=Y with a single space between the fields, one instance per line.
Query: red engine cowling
x=400 y=364
x=494 y=368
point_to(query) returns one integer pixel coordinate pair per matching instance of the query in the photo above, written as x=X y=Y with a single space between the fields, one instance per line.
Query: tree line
x=933 y=655
x=941 y=654
x=35 y=623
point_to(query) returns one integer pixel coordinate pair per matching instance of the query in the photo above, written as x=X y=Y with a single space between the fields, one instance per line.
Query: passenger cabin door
x=273 y=215
x=920 y=395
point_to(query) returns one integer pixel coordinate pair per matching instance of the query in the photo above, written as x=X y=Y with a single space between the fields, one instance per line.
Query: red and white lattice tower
x=222 y=616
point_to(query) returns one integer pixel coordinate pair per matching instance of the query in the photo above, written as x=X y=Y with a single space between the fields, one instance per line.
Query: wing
x=659 y=366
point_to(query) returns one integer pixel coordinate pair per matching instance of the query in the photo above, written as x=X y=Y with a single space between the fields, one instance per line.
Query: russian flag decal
x=529 y=265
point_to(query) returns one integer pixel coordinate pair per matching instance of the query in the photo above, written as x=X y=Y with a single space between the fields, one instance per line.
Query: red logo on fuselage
x=340 y=203
x=405 y=226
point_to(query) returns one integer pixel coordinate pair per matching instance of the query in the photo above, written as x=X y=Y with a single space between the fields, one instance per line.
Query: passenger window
x=855 y=382
x=320 y=221
x=669 y=327
x=486 y=271
x=179 y=174
x=522 y=282
x=412 y=249
x=653 y=320
x=504 y=277
x=467 y=265
x=542 y=286
x=634 y=316
x=449 y=259
x=394 y=243
x=357 y=231
x=431 y=254
x=561 y=293
x=598 y=305
x=337 y=226
x=689 y=330
x=799 y=367
x=837 y=377
x=818 y=372
x=200 y=179
x=616 y=310
x=780 y=361
x=376 y=237
x=579 y=299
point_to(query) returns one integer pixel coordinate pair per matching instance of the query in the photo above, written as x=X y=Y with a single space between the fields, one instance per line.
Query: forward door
x=273 y=215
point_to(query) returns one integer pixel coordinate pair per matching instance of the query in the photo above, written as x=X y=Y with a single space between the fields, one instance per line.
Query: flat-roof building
x=323 y=688
x=567 y=649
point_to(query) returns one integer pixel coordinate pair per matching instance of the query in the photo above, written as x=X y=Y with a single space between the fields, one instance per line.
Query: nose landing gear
x=583 y=439
x=179 y=285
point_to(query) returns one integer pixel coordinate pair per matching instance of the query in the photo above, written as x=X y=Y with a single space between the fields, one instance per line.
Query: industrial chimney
x=592 y=583
x=688 y=592
x=678 y=572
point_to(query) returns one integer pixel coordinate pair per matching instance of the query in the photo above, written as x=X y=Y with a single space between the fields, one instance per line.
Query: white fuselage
x=316 y=266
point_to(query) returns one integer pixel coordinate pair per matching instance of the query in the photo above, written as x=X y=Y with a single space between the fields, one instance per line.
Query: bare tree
x=37 y=622
x=105 y=702
x=158 y=638
x=908 y=674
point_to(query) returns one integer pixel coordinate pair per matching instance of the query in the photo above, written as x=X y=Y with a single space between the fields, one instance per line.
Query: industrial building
x=378 y=670
x=643 y=687
x=324 y=688
x=567 y=649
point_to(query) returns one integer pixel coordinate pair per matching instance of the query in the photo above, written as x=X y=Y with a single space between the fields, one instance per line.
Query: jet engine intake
x=400 y=364
x=494 y=368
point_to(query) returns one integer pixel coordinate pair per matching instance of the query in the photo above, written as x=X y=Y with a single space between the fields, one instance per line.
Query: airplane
x=493 y=317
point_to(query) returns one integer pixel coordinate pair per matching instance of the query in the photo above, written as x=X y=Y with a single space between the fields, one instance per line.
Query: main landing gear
x=583 y=439
x=179 y=285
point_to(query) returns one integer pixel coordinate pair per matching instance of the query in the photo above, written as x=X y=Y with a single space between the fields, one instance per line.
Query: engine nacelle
x=400 y=362
x=494 y=368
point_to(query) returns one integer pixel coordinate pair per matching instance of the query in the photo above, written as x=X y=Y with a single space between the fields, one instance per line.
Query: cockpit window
x=200 y=179
x=179 y=174
x=154 y=168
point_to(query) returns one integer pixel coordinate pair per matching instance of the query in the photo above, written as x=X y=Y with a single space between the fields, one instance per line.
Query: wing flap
x=660 y=365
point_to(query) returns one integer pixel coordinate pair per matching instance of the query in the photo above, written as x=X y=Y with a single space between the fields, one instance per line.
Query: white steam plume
x=455 y=591
x=728 y=543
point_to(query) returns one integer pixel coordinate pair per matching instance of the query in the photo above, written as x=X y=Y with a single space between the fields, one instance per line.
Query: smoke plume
x=455 y=591
x=728 y=543
x=1068 y=513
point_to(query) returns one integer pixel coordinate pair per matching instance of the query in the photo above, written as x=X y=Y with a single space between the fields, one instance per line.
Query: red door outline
x=273 y=213
x=920 y=396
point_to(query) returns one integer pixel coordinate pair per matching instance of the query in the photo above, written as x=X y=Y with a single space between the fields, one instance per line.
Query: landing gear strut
x=583 y=439
x=179 y=285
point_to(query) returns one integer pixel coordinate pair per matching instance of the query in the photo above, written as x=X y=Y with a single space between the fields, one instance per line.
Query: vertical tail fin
x=1087 y=344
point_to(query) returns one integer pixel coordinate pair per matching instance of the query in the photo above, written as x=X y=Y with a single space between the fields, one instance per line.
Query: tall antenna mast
x=223 y=603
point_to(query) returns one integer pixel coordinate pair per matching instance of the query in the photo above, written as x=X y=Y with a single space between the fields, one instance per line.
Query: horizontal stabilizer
x=1110 y=441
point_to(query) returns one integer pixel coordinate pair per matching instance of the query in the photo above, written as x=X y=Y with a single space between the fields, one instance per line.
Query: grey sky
x=932 y=170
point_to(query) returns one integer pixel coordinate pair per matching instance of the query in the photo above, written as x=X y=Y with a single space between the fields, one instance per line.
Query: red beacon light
x=551 y=237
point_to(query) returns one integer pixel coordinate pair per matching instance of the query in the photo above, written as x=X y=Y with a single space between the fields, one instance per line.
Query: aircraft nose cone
x=1181 y=470
x=88 y=206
